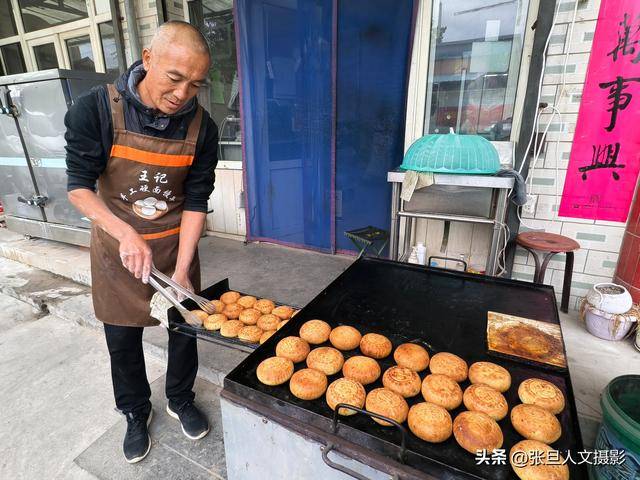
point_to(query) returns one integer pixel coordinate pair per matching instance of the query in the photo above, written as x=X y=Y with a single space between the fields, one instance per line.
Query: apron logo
x=150 y=208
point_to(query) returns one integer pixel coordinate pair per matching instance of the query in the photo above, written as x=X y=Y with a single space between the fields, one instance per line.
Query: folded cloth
x=519 y=192
x=415 y=181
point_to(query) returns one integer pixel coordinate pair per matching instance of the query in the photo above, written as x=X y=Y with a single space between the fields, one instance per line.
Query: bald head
x=177 y=64
x=176 y=32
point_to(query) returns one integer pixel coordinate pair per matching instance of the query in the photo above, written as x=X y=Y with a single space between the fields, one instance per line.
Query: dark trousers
x=130 y=384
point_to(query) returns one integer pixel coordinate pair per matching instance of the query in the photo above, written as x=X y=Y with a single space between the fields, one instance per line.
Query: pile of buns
x=245 y=317
x=475 y=428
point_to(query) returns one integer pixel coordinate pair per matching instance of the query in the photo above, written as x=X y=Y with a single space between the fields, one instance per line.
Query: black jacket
x=89 y=138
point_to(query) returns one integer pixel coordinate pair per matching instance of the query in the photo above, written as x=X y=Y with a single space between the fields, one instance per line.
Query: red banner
x=605 y=156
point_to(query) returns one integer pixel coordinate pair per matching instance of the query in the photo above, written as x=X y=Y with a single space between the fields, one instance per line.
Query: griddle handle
x=450 y=259
x=341 y=468
x=403 y=432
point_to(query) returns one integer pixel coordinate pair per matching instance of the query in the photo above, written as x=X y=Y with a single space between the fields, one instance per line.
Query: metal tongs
x=189 y=317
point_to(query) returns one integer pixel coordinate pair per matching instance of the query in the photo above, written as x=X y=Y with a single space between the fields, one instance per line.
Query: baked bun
x=266 y=335
x=229 y=297
x=375 y=345
x=275 y=370
x=430 y=422
x=480 y=398
x=535 y=423
x=215 y=321
x=247 y=301
x=363 y=370
x=249 y=316
x=282 y=312
x=450 y=365
x=264 y=306
x=541 y=393
x=200 y=314
x=403 y=381
x=345 y=337
x=232 y=311
x=344 y=390
x=293 y=348
x=491 y=375
x=328 y=360
x=532 y=460
x=412 y=356
x=218 y=305
x=385 y=402
x=308 y=384
x=441 y=390
x=231 y=328
x=268 y=322
x=477 y=431
x=250 y=333
x=315 y=331
x=281 y=324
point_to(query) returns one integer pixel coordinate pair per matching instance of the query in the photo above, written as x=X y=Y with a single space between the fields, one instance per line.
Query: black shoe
x=194 y=424
x=137 y=441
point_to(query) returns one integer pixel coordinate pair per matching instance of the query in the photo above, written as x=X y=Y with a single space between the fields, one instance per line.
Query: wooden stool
x=550 y=243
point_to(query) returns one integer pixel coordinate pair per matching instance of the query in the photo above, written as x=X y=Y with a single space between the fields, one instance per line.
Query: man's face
x=175 y=73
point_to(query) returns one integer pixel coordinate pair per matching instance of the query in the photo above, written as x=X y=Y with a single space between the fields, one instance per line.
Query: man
x=151 y=149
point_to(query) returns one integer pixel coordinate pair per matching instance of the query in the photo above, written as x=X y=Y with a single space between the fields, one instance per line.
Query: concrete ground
x=58 y=419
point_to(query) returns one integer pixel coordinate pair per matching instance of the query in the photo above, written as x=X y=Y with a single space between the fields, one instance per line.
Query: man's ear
x=146 y=58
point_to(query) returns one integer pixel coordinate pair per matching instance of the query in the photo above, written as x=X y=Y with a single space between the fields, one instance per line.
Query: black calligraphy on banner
x=627 y=40
x=618 y=98
x=604 y=156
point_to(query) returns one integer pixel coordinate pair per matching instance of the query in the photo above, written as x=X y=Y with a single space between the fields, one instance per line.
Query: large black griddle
x=446 y=311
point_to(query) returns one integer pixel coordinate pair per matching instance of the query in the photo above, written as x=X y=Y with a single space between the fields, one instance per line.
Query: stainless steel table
x=500 y=187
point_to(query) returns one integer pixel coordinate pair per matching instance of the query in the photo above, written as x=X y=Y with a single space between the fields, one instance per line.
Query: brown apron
x=142 y=184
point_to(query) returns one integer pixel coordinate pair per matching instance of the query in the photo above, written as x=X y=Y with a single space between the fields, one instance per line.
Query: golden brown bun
x=344 y=390
x=229 y=297
x=308 y=384
x=282 y=312
x=535 y=423
x=247 y=301
x=293 y=348
x=450 y=365
x=410 y=355
x=541 y=393
x=281 y=324
x=531 y=461
x=231 y=328
x=442 y=390
x=490 y=374
x=480 y=398
x=363 y=370
x=477 y=431
x=202 y=315
x=268 y=322
x=232 y=311
x=385 y=402
x=375 y=345
x=249 y=316
x=250 y=333
x=264 y=306
x=325 y=359
x=275 y=370
x=403 y=381
x=345 y=337
x=266 y=335
x=215 y=321
x=218 y=305
x=430 y=422
x=315 y=331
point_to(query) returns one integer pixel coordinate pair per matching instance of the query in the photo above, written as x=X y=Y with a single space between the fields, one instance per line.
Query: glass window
x=45 y=56
x=39 y=14
x=7 y=24
x=102 y=6
x=81 y=53
x=108 y=42
x=476 y=47
x=223 y=102
x=13 y=59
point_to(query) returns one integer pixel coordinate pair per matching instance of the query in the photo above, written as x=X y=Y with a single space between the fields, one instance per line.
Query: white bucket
x=610 y=298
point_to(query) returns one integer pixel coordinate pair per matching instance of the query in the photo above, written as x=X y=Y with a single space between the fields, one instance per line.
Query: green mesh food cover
x=451 y=153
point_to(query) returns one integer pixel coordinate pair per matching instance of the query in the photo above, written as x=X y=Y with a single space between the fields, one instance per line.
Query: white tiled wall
x=600 y=241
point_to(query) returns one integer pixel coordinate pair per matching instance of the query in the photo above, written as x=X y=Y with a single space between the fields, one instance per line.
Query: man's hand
x=136 y=255
x=182 y=278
